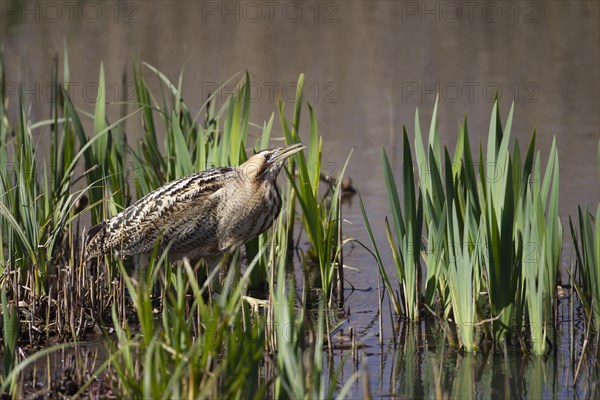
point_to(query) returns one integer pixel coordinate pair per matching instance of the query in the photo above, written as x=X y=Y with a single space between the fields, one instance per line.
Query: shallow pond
x=368 y=66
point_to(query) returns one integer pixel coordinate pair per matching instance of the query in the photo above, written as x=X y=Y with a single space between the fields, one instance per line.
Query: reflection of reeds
x=463 y=386
x=493 y=234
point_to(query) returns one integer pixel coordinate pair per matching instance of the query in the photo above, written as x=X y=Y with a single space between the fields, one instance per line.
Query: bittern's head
x=267 y=163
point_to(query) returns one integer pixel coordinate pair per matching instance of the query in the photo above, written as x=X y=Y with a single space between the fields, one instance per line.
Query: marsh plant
x=170 y=330
x=474 y=237
x=586 y=241
x=492 y=234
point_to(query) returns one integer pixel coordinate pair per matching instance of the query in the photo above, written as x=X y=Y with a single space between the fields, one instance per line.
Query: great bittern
x=204 y=215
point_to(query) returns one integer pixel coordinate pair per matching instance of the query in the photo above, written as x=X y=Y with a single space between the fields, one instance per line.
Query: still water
x=368 y=66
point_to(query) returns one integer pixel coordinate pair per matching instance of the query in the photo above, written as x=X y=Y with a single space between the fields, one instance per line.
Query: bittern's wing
x=167 y=214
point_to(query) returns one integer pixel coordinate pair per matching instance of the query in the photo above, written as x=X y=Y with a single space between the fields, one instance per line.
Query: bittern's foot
x=255 y=303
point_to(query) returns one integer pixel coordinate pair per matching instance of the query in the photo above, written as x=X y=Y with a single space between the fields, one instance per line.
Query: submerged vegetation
x=475 y=244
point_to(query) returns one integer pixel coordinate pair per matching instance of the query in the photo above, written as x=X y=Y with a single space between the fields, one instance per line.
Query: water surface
x=368 y=66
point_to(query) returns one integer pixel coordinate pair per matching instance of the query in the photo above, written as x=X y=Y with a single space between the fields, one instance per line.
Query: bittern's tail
x=94 y=240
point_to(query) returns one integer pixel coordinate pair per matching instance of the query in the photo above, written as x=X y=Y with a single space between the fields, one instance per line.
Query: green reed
x=298 y=338
x=408 y=227
x=188 y=341
x=586 y=242
x=492 y=228
x=320 y=215
x=587 y=250
x=10 y=334
x=193 y=347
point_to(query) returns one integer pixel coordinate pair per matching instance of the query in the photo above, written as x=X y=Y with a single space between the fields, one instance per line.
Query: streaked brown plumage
x=204 y=215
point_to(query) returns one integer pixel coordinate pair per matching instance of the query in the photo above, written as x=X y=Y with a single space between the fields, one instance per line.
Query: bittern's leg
x=141 y=264
x=213 y=274
x=210 y=275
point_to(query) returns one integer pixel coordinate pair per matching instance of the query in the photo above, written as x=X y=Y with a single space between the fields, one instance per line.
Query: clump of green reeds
x=192 y=347
x=586 y=242
x=10 y=333
x=407 y=226
x=187 y=341
x=408 y=232
x=40 y=206
x=321 y=218
x=493 y=233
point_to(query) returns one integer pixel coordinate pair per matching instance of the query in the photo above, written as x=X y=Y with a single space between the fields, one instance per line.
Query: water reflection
x=422 y=365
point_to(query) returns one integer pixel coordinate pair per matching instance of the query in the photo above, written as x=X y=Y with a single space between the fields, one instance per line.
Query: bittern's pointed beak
x=283 y=153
